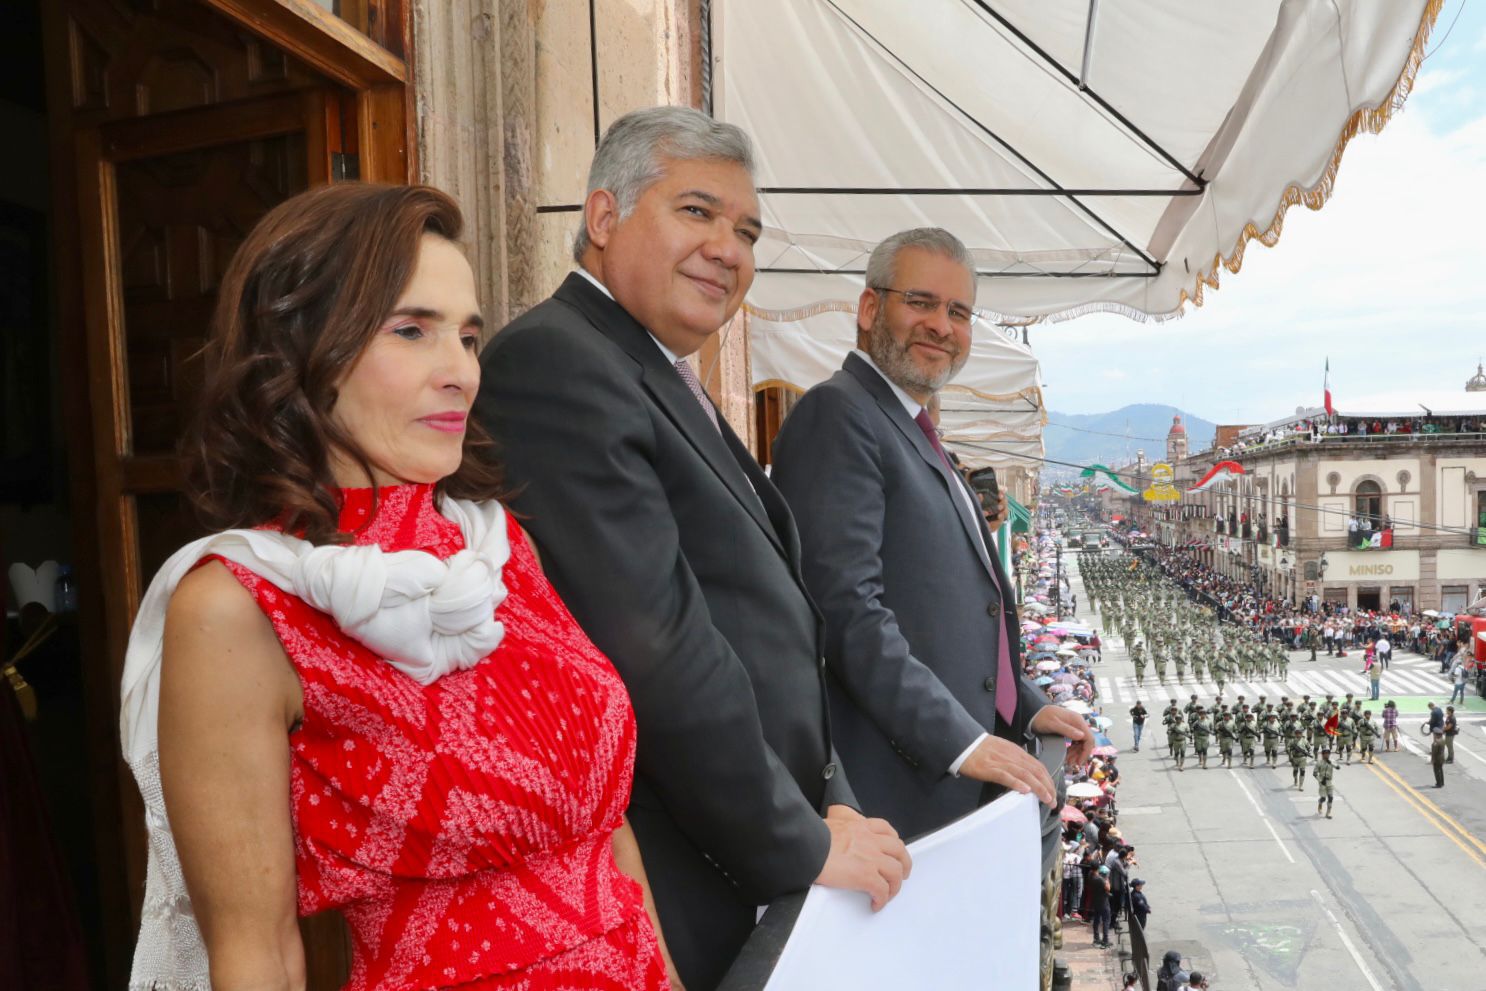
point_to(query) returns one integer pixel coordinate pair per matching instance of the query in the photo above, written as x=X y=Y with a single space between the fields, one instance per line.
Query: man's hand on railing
x=866 y=855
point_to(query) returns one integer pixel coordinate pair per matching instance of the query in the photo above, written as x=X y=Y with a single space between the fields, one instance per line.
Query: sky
x=1387 y=280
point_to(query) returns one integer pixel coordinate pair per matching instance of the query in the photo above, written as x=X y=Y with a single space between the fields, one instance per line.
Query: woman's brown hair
x=300 y=301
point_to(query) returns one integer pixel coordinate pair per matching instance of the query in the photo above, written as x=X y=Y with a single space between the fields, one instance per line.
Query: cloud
x=1384 y=280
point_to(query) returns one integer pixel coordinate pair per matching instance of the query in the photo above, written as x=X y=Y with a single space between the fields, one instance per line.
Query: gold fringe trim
x=1367 y=119
x=800 y=312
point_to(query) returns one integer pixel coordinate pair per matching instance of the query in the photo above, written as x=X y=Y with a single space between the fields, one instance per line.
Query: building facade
x=1386 y=518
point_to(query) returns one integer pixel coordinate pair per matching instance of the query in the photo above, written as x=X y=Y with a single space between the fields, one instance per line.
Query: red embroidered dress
x=464 y=828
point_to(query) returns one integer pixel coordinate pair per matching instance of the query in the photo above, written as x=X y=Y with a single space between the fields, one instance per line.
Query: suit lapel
x=892 y=407
x=671 y=395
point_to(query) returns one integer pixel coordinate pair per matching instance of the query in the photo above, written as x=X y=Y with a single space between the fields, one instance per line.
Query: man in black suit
x=672 y=548
x=927 y=698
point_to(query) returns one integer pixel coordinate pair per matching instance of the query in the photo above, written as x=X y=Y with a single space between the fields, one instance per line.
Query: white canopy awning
x=1093 y=156
x=991 y=414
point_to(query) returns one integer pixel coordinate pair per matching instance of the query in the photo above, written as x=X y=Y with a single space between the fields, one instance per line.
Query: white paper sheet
x=966 y=918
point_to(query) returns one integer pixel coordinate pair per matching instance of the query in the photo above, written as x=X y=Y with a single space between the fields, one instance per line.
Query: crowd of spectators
x=1315 y=430
x=1279 y=620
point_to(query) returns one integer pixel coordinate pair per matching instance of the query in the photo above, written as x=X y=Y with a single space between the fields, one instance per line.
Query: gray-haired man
x=928 y=703
x=671 y=546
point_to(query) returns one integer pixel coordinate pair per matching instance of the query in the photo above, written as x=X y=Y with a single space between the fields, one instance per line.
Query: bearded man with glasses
x=929 y=706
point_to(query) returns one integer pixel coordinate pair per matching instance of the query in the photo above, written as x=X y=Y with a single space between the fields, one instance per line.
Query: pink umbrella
x=1071 y=814
x=1106 y=752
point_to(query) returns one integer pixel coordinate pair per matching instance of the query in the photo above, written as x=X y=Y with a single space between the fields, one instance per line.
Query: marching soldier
x=1325 y=771
x=1367 y=735
x=1137 y=656
x=1226 y=735
x=1299 y=752
x=1271 y=740
x=1200 y=730
x=1246 y=737
x=1168 y=716
x=1177 y=736
x=1344 y=731
x=1190 y=708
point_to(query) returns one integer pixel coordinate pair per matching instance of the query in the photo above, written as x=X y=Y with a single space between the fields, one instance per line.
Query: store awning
x=1093 y=156
x=1021 y=516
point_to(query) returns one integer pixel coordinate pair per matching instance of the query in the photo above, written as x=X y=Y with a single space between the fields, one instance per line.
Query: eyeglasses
x=927 y=304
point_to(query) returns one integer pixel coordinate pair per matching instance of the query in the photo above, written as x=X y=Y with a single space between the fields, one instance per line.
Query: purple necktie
x=1006 y=689
x=683 y=368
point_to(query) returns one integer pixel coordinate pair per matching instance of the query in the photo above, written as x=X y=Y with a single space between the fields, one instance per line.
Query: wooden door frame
x=386 y=125
x=378 y=96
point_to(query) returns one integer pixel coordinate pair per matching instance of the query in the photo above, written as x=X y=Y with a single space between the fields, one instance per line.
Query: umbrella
x=1071 y=679
x=1046 y=638
x=1100 y=740
x=1431 y=612
x=1103 y=722
x=1067 y=652
x=1030 y=627
x=1061 y=689
x=1044 y=681
x=1106 y=751
x=1085 y=646
x=1078 y=662
x=1073 y=815
x=1034 y=607
x=1074 y=705
x=1085 y=789
x=1048 y=665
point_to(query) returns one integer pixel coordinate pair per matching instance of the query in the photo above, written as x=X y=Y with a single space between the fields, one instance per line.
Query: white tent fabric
x=991 y=414
x=1171 y=132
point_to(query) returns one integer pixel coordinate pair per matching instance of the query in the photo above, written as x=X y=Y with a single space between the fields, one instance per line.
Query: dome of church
x=1477 y=382
x=1177 y=428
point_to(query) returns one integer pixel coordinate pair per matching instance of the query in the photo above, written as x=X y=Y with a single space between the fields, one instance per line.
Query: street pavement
x=1258 y=892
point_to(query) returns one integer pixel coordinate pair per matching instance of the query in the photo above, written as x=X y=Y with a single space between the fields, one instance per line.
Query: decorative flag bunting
x=1220 y=472
x=1094 y=470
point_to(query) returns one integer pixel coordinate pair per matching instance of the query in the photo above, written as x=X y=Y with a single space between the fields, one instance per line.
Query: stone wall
x=504 y=97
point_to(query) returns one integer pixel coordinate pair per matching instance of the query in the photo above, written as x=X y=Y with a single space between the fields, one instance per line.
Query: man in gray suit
x=928 y=705
x=671 y=547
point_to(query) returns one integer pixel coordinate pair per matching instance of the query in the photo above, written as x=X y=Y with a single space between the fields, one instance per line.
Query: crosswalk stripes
x=1316 y=684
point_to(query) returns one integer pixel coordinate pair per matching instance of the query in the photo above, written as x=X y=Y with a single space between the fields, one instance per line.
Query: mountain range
x=1113 y=438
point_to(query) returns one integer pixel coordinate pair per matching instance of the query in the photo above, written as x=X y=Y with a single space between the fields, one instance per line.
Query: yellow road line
x=1448 y=827
x=1465 y=833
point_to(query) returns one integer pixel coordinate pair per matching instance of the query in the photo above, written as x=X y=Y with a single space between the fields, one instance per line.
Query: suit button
x=990 y=684
x=994 y=609
x=829 y=772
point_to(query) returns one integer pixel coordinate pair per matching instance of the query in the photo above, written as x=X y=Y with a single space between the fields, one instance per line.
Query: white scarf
x=425 y=616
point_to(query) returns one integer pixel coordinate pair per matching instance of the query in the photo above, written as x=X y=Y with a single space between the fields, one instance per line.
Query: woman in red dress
x=362 y=694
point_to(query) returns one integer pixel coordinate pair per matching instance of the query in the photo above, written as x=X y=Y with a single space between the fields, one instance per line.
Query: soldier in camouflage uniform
x=1226 y=736
x=1271 y=732
x=1344 y=732
x=1177 y=735
x=1367 y=736
x=1201 y=728
x=1299 y=753
x=1247 y=734
x=1325 y=772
